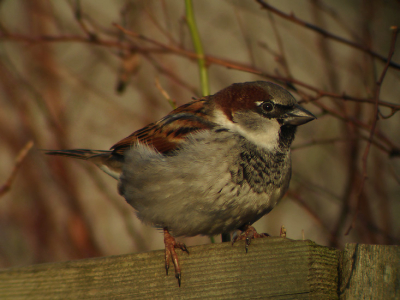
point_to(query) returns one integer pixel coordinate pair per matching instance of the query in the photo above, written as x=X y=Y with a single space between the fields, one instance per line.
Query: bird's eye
x=267 y=106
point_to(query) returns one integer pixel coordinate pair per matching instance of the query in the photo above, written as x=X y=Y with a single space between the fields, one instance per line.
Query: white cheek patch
x=263 y=132
x=266 y=135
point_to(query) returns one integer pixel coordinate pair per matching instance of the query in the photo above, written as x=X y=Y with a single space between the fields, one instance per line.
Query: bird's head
x=262 y=112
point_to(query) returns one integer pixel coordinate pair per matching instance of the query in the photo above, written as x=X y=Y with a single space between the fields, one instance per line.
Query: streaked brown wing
x=168 y=133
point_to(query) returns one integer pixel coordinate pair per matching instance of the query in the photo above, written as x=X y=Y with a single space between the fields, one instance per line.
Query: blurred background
x=70 y=79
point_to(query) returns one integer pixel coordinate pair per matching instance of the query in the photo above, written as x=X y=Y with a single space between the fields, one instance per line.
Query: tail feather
x=84 y=154
x=104 y=159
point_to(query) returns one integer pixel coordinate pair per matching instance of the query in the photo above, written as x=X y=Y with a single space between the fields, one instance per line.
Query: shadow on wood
x=370 y=272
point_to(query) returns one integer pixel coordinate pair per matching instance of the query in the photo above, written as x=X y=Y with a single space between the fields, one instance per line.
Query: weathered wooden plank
x=370 y=272
x=275 y=268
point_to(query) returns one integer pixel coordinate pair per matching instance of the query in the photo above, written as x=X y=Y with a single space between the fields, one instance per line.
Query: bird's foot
x=248 y=233
x=170 y=245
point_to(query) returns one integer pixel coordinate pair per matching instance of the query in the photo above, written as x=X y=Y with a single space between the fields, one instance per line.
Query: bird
x=214 y=165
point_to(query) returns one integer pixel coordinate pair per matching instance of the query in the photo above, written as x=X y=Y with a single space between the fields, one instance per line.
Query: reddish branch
x=76 y=38
x=314 y=142
x=393 y=148
x=373 y=126
x=18 y=161
x=246 y=68
x=291 y=17
x=163 y=48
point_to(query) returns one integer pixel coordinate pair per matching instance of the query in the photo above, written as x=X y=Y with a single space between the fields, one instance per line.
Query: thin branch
x=162 y=48
x=79 y=18
x=169 y=48
x=245 y=37
x=373 y=126
x=314 y=142
x=322 y=192
x=163 y=31
x=394 y=107
x=281 y=58
x=64 y=38
x=172 y=102
x=18 y=161
x=393 y=148
x=340 y=21
x=325 y=33
x=246 y=68
x=170 y=74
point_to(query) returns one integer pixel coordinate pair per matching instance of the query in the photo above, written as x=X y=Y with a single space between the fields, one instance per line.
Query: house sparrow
x=211 y=166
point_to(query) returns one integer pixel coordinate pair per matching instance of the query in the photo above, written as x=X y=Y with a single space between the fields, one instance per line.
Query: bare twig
x=325 y=33
x=18 y=161
x=172 y=102
x=394 y=107
x=170 y=74
x=79 y=19
x=247 y=68
x=314 y=142
x=358 y=123
x=156 y=23
x=373 y=126
x=281 y=57
x=162 y=48
x=65 y=38
x=245 y=37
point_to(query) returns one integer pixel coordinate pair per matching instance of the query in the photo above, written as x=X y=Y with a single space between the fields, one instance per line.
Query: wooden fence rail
x=274 y=268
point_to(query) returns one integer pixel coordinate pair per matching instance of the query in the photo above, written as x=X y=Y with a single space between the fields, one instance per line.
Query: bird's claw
x=178 y=276
x=170 y=245
x=248 y=234
x=166 y=265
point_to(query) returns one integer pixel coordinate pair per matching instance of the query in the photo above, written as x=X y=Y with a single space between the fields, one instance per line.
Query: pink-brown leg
x=248 y=234
x=170 y=245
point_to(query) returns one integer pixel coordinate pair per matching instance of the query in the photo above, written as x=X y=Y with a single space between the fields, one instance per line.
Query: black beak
x=297 y=116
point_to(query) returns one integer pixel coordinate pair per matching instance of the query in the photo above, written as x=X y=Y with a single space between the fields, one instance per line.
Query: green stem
x=198 y=48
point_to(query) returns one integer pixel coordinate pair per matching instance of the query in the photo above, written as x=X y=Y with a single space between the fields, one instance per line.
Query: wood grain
x=370 y=272
x=275 y=268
